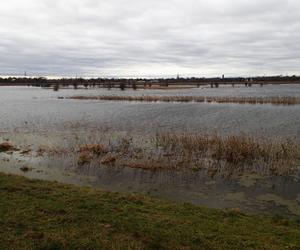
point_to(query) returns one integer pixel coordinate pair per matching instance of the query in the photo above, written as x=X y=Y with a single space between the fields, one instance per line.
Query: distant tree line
x=133 y=82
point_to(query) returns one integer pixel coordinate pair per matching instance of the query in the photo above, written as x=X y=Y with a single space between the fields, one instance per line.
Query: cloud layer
x=150 y=37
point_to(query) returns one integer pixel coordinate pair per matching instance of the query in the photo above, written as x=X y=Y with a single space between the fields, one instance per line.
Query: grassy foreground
x=45 y=215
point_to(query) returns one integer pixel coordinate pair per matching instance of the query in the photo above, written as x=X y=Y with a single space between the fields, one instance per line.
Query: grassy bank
x=45 y=215
x=276 y=100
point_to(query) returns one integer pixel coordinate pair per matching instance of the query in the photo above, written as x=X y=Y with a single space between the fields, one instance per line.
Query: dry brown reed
x=89 y=151
x=237 y=150
x=97 y=149
x=6 y=146
x=276 y=100
x=109 y=159
x=84 y=158
x=213 y=153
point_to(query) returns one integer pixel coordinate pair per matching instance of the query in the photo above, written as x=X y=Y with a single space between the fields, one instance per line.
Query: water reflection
x=249 y=192
x=35 y=109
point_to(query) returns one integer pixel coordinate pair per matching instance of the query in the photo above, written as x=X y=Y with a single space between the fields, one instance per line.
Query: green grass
x=45 y=215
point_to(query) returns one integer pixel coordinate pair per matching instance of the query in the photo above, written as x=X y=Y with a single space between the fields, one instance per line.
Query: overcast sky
x=150 y=37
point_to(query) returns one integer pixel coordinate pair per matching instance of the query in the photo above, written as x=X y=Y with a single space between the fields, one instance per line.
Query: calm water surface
x=27 y=112
x=36 y=109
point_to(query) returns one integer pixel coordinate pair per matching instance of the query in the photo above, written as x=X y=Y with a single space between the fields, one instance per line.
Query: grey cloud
x=149 y=37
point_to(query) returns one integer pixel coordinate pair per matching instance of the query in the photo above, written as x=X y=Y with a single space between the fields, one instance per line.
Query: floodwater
x=249 y=192
x=36 y=109
x=32 y=116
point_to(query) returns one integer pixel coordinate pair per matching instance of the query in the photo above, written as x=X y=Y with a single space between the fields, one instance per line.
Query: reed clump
x=147 y=164
x=96 y=149
x=235 y=150
x=88 y=152
x=108 y=159
x=84 y=158
x=276 y=100
x=213 y=153
x=6 y=146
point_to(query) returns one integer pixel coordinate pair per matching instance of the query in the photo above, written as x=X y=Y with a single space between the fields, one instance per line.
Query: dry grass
x=84 y=158
x=234 y=150
x=241 y=100
x=98 y=152
x=215 y=153
x=6 y=146
x=174 y=151
x=146 y=164
x=96 y=149
x=41 y=151
x=108 y=159
x=88 y=152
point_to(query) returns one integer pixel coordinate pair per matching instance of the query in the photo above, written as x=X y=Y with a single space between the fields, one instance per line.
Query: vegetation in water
x=276 y=100
x=180 y=151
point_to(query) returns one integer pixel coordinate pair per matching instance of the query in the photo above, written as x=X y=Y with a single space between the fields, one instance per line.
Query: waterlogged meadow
x=198 y=99
x=234 y=148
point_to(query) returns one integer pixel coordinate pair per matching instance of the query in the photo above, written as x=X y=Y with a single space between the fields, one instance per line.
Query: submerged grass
x=46 y=215
x=231 y=154
x=276 y=100
x=277 y=155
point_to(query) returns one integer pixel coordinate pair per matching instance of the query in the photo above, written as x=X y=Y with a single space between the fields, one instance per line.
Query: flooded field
x=35 y=109
x=47 y=131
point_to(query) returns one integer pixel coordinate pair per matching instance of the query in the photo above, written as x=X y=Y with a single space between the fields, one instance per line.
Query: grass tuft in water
x=276 y=100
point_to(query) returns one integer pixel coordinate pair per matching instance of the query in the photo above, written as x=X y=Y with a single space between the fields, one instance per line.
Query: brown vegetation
x=6 y=146
x=84 y=158
x=213 y=153
x=108 y=159
x=97 y=149
x=25 y=169
x=41 y=150
x=88 y=151
x=239 y=151
x=241 y=100
x=146 y=164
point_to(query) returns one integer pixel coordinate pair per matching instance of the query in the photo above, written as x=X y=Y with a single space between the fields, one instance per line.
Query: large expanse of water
x=30 y=116
x=37 y=109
